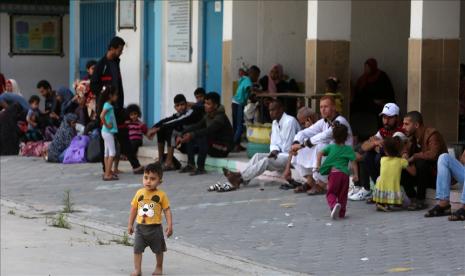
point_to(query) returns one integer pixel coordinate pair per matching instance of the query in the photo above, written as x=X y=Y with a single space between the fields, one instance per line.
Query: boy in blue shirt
x=239 y=101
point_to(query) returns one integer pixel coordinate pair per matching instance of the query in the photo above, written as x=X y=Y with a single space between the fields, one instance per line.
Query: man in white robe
x=283 y=130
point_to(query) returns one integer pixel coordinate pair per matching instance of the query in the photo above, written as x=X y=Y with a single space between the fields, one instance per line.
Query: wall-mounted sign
x=179 y=30
x=127 y=14
x=36 y=35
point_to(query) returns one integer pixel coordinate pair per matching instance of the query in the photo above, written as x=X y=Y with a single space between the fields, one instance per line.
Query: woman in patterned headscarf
x=62 y=138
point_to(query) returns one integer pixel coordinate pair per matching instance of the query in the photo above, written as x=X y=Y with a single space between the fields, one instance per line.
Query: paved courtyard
x=269 y=226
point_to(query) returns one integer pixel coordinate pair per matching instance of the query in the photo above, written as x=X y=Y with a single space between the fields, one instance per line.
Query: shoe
x=187 y=169
x=198 y=172
x=139 y=170
x=362 y=194
x=335 y=211
x=353 y=190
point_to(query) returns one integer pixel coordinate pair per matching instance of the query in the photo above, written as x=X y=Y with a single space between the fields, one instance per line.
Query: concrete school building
x=175 y=46
x=419 y=44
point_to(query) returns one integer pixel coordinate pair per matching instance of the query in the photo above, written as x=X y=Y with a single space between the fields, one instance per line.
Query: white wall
x=28 y=70
x=131 y=67
x=269 y=32
x=321 y=20
x=381 y=30
x=181 y=77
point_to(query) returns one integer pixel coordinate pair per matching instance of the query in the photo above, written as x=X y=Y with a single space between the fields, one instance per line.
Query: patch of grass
x=61 y=221
x=100 y=242
x=11 y=212
x=124 y=240
x=68 y=204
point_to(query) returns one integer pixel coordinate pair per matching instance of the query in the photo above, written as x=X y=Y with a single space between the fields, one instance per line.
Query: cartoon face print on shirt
x=148 y=208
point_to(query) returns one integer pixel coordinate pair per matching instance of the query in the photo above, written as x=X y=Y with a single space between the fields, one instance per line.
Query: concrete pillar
x=328 y=46
x=433 y=64
x=227 y=75
x=73 y=41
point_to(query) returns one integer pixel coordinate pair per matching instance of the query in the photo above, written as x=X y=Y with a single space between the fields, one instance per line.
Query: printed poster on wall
x=36 y=35
x=179 y=30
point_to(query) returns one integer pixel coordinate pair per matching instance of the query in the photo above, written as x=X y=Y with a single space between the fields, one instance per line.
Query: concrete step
x=236 y=161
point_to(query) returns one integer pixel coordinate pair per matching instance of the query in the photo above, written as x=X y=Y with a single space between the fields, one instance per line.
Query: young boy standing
x=147 y=206
x=336 y=165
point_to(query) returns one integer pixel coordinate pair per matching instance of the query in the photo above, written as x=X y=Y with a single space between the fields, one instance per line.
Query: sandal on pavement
x=291 y=184
x=187 y=168
x=226 y=187
x=370 y=201
x=417 y=206
x=301 y=189
x=458 y=215
x=438 y=211
x=139 y=170
x=215 y=187
x=383 y=208
x=111 y=178
x=316 y=190
x=198 y=172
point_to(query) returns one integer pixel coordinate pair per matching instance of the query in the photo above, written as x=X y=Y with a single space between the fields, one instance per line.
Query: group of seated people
x=403 y=153
x=65 y=115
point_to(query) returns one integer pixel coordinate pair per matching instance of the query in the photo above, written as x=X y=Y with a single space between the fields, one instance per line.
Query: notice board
x=179 y=30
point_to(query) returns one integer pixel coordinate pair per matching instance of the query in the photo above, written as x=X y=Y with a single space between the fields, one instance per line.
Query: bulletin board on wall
x=36 y=35
x=179 y=31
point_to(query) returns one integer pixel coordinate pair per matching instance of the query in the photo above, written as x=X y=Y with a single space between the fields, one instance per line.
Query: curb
x=242 y=265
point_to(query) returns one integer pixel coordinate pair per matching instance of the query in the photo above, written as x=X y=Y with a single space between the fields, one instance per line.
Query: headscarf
x=368 y=78
x=62 y=138
x=272 y=84
x=66 y=97
x=2 y=83
x=15 y=87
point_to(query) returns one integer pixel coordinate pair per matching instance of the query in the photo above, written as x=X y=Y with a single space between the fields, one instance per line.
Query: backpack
x=94 y=148
x=76 y=152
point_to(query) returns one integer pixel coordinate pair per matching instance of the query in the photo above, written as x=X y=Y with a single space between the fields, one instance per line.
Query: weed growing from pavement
x=84 y=230
x=124 y=240
x=68 y=208
x=100 y=242
x=61 y=221
x=11 y=212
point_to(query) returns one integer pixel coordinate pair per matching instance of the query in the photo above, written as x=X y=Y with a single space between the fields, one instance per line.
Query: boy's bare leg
x=108 y=165
x=159 y=267
x=161 y=150
x=137 y=265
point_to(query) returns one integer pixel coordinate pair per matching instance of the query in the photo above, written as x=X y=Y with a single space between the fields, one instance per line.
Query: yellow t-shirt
x=149 y=205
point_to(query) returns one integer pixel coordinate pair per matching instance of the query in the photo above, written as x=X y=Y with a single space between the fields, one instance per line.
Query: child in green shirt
x=336 y=165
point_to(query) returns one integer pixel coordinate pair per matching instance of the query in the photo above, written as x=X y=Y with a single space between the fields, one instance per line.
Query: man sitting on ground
x=283 y=129
x=168 y=128
x=317 y=137
x=306 y=117
x=212 y=135
x=449 y=167
x=426 y=146
x=372 y=148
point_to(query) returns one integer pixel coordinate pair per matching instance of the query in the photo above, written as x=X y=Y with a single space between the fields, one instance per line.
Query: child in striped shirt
x=137 y=129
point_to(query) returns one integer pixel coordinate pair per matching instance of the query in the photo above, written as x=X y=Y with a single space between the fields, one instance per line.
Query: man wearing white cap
x=370 y=167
